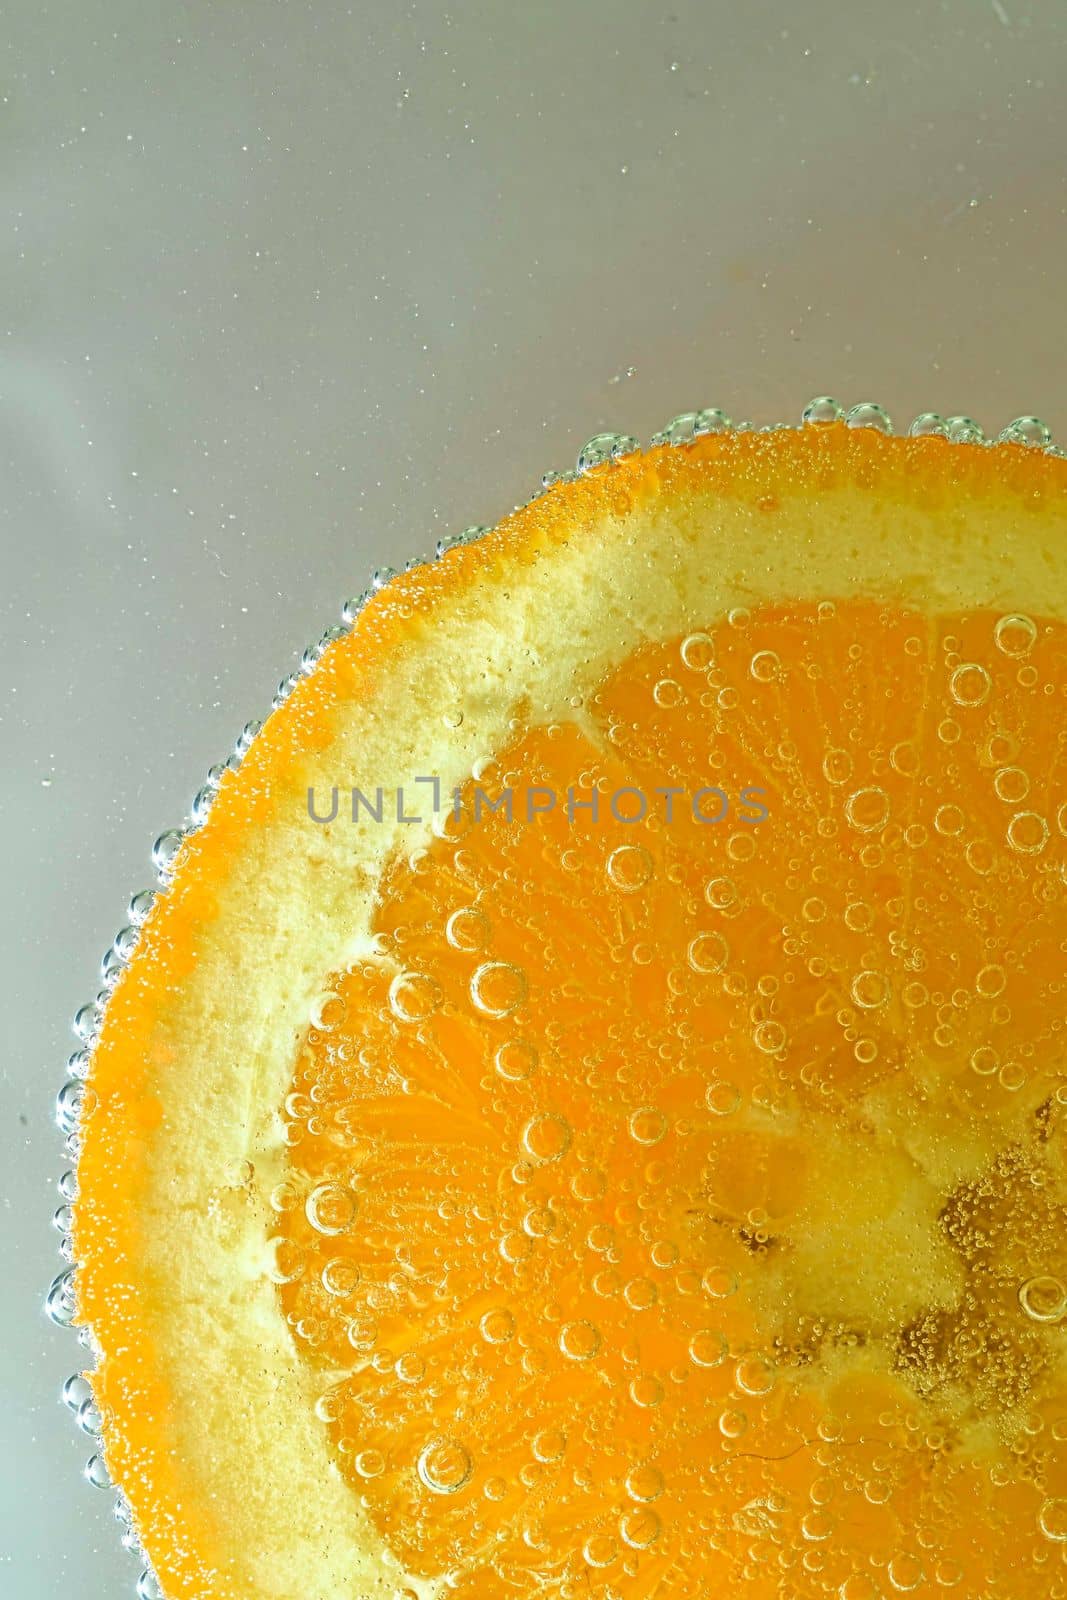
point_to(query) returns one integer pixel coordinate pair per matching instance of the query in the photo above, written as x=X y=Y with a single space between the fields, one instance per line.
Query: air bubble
x=1044 y=1298
x=516 y=1060
x=639 y=1528
x=708 y=1348
x=546 y=1138
x=970 y=684
x=59 y=1301
x=468 y=929
x=991 y=981
x=497 y=1326
x=668 y=693
x=444 y=1466
x=327 y=1011
x=905 y=1572
x=1015 y=635
x=837 y=766
x=722 y=894
x=1052 y=1520
x=964 y=430
x=579 y=1341
x=708 y=953
x=928 y=424
x=867 y=810
x=604 y=447
x=95 y=1472
x=722 y=1098
x=549 y=1444
x=644 y=1483
x=711 y=420
x=630 y=868
x=498 y=988
x=1028 y=833
x=697 y=652
x=413 y=996
x=824 y=408
x=330 y=1208
x=647 y=1126
x=869 y=989
x=769 y=1037
x=1029 y=431
x=646 y=1392
x=869 y=415
x=599 y=1550
x=1012 y=785
x=765 y=666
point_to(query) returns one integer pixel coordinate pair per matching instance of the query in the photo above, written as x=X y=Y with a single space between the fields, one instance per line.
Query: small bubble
x=1052 y=1520
x=668 y=693
x=287 y=1260
x=1044 y=1298
x=722 y=893
x=754 y=1376
x=991 y=981
x=1028 y=833
x=869 y=415
x=722 y=1097
x=413 y=996
x=769 y=1037
x=644 y=1483
x=444 y=1466
x=707 y=1348
x=732 y=1424
x=905 y=1572
x=549 y=1444
x=579 y=1341
x=869 y=990
x=630 y=868
x=546 y=1138
x=647 y=1125
x=516 y=1060
x=498 y=988
x=370 y=1463
x=765 y=666
x=719 y=1283
x=640 y=1294
x=928 y=424
x=468 y=929
x=330 y=1208
x=639 y=1528
x=708 y=953
x=497 y=1326
x=1011 y=784
x=600 y=1550
x=984 y=1061
x=837 y=766
x=410 y=1367
x=646 y=1391
x=697 y=652
x=327 y=1011
x=867 y=810
x=970 y=684
x=824 y=408
x=1015 y=635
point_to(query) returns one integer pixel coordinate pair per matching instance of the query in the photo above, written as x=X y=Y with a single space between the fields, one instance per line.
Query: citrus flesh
x=644 y=1195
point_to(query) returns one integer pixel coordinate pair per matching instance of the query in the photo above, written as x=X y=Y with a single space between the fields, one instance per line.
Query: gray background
x=289 y=291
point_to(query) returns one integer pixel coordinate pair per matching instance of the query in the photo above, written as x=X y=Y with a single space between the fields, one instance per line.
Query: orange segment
x=652 y=1180
x=660 y=1190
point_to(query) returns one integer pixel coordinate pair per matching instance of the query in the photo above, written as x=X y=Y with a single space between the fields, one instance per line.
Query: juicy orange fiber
x=674 y=1208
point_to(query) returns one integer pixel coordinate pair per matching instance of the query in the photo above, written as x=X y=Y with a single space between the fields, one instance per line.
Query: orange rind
x=658 y=1192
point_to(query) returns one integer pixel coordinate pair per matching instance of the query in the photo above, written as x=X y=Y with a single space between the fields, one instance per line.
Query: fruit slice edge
x=197 y=1047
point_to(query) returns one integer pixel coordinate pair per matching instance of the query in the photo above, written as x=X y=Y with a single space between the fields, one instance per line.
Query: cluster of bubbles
x=1039 y=1297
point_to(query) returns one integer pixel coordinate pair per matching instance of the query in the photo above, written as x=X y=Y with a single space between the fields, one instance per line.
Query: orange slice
x=643 y=1174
